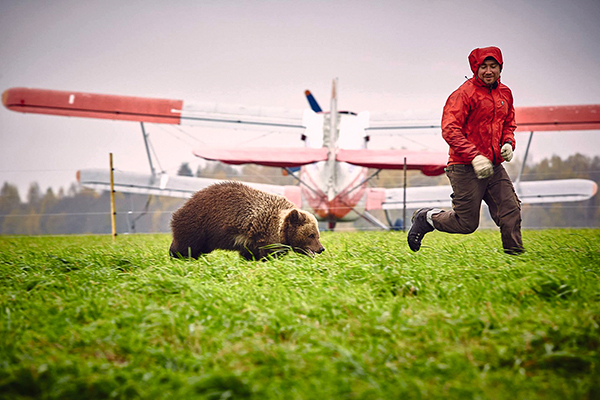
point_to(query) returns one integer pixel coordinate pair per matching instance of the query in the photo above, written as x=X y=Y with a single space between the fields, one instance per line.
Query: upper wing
x=141 y=109
x=267 y=156
x=558 y=118
x=168 y=111
x=544 y=118
x=429 y=163
x=531 y=192
x=402 y=120
x=172 y=186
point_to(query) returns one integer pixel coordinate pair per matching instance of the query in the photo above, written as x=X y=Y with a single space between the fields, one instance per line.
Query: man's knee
x=468 y=221
x=469 y=226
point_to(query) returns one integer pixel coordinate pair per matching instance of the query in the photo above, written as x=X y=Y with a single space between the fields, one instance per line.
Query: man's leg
x=466 y=205
x=505 y=210
x=467 y=194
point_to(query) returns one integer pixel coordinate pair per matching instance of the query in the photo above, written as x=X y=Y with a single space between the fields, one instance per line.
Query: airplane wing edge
x=529 y=192
x=171 y=186
x=266 y=156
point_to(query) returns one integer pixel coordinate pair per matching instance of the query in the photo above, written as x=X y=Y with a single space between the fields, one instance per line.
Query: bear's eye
x=312 y=236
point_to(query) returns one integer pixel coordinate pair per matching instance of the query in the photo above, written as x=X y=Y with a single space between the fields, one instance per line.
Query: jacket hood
x=478 y=55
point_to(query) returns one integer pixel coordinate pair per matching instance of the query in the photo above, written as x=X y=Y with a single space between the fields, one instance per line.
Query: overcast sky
x=398 y=56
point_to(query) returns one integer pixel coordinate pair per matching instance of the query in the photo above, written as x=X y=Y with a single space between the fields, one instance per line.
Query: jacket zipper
x=492 y=127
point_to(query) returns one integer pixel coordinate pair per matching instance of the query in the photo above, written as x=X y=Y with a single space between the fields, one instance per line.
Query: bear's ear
x=294 y=217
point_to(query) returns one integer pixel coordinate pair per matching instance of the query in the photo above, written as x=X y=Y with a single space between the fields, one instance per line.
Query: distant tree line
x=81 y=211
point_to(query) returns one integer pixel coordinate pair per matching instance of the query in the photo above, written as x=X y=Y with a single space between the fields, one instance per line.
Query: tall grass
x=81 y=317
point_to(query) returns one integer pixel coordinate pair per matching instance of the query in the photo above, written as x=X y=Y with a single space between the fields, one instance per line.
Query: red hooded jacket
x=479 y=119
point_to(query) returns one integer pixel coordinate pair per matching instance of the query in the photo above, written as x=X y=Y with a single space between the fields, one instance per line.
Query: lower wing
x=267 y=156
x=555 y=191
x=171 y=186
x=427 y=162
x=532 y=192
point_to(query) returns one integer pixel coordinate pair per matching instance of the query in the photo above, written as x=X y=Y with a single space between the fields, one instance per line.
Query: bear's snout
x=314 y=250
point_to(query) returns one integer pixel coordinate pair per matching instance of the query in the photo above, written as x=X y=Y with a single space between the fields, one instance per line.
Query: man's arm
x=454 y=116
x=508 y=130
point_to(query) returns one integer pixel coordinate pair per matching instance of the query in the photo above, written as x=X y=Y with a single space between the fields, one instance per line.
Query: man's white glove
x=482 y=166
x=507 y=152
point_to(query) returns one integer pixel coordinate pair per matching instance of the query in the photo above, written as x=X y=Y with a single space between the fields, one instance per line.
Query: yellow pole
x=113 y=213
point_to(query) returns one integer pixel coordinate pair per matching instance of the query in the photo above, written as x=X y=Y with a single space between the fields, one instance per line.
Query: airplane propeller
x=313 y=102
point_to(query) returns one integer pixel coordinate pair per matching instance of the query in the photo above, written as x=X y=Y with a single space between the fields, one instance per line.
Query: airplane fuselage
x=333 y=190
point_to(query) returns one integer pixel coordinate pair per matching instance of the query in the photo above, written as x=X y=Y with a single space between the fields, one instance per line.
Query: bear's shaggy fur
x=234 y=216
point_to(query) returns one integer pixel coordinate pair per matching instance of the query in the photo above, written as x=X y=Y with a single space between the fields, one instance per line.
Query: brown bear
x=234 y=216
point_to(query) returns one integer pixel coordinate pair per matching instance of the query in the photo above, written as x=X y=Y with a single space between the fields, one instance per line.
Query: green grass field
x=83 y=318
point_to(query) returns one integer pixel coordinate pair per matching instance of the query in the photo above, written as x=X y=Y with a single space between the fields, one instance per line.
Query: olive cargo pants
x=498 y=193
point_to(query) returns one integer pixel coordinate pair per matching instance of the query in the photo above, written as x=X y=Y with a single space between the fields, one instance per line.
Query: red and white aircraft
x=331 y=168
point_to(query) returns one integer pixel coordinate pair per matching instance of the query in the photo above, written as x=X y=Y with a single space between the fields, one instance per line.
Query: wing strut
x=371 y=218
x=367 y=179
x=518 y=181
x=404 y=199
x=145 y=135
x=293 y=174
x=332 y=143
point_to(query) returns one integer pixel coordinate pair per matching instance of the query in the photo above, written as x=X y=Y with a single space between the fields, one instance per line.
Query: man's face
x=489 y=72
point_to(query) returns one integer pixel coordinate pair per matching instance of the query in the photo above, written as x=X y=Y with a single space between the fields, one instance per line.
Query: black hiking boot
x=419 y=228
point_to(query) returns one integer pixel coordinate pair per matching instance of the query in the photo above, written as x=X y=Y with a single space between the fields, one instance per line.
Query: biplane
x=330 y=162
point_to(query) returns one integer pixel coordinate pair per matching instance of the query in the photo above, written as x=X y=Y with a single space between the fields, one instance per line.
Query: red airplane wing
x=88 y=105
x=558 y=118
x=142 y=109
x=167 y=111
x=267 y=156
x=427 y=162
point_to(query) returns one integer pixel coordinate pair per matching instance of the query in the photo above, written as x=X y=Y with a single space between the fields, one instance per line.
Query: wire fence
x=131 y=212
x=535 y=216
